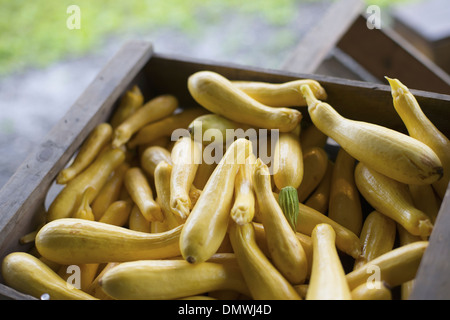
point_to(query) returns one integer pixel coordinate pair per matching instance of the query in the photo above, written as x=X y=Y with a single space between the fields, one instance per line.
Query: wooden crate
x=425 y=24
x=340 y=44
x=24 y=195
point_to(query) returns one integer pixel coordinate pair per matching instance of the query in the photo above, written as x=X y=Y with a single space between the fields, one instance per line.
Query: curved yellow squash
x=217 y=94
x=410 y=161
x=77 y=241
x=27 y=274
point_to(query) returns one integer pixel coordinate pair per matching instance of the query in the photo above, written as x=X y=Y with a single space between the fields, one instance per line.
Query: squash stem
x=309 y=96
x=288 y=201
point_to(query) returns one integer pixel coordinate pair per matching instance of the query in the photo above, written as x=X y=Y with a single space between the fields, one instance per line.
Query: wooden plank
x=384 y=53
x=427 y=18
x=415 y=39
x=436 y=49
x=25 y=192
x=339 y=64
x=423 y=21
x=315 y=46
x=7 y=293
x=432 y=280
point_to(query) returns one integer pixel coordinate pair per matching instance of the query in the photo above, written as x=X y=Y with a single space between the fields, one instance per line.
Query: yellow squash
x=186 y=156
x=264 y=281
x=204 y=171
x=194 y=194
x=377 y=290
x=162 y=175
x=198 y=297
x=404 y=237
x=394 y=267
x=377 y=237
x=218 y=95
x=118 y=213
x=132 y=100
x=288 y=172
x=312 y=137
x=260 y=237
x=302 y=289
x=315 y=163
x=29 y=237
x=140 y=191
x=421 y=128
x=345 y=204
x=243 y=209
x=87 y=271
x=170 y=279
x=91 y=147
x=27 y=274
x=95 y=289
x=137 y=222
x=224 y=295
x=154 y=110
x=76 y=241
x=410 y=161
x=393 y=199
x=80 y=276
x=320 y=197
x=84 y=210
x=426 y=200
x=164 y=127
x=346 y=240
x=164 y=142
x=286 y=94
x=214 y=129
x=286 y=251
x=327 y=281
x=152 y=156
x=94 y=176
x=206 y=225
x=110 y=192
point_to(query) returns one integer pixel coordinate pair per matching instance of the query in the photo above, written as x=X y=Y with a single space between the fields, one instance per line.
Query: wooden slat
x=339 y=64
x=426 y=25
x=316 y=44
x=432 y=279
x=7 y=293
x=25 y=192
x=383 y=52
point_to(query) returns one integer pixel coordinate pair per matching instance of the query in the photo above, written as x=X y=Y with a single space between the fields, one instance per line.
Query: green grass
x=34 y=33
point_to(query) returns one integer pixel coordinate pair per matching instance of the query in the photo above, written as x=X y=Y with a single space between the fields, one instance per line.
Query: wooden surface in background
x=426 y=25
x=382 y=53
x=316 y=45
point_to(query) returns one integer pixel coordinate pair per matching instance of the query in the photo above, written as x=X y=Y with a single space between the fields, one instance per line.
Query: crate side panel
x=432 y=280
x=25 y=192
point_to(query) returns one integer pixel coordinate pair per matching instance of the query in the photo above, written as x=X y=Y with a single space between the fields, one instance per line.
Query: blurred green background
x=34 y=33
x=45 y=66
